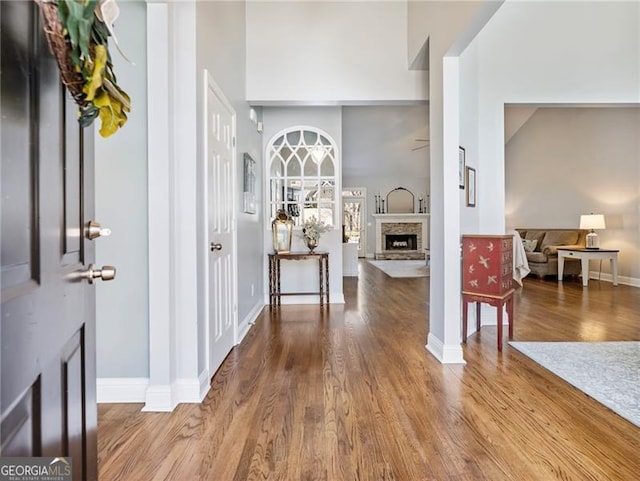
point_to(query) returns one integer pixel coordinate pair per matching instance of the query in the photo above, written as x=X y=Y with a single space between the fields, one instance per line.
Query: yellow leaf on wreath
x=95 y=81
x=112 y=116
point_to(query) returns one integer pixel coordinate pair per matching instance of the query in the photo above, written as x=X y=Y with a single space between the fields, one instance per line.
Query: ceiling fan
x=425 y=143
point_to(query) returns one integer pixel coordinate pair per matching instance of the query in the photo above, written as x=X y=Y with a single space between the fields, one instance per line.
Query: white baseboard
x=205 y=385
x=248 y=321
x=164 y=397
x=446 y=354
x=628 y=281
x=121 y=389
x=187 y=391
x=158 y=398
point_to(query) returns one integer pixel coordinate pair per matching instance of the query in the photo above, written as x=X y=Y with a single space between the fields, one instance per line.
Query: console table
x=274 y=275
x=585 y=255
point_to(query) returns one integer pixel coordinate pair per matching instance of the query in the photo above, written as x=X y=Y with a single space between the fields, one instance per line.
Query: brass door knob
x=107 y=273
x=216 y=247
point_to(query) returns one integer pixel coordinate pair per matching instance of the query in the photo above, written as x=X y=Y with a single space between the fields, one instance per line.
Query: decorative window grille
x=302 y=175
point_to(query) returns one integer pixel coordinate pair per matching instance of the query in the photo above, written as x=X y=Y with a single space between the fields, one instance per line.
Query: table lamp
x=592 y=222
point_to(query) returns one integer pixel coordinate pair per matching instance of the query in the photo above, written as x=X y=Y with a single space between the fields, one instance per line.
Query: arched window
x=302 y=175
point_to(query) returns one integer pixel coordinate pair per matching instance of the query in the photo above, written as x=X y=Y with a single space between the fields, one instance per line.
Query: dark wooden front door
x=47 y=334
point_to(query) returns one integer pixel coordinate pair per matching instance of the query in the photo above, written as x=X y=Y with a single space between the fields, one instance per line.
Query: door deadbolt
x=107 y=273
x=95 y=230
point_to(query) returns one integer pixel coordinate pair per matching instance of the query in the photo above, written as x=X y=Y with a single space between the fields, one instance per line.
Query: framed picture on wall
x=249 y=184
x=471 y=186
x=461 y=165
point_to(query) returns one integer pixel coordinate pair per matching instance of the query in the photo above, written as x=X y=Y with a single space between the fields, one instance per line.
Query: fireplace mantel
x=421 y=219
x=405 y=217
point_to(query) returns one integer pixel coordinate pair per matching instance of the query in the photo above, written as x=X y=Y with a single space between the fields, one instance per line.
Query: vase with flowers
x=311 y=230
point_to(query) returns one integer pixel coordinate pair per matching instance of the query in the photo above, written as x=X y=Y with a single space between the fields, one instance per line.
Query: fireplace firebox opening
x=401 y=242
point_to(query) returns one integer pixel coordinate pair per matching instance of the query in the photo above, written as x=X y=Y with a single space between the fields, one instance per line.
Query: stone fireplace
x=401 y=236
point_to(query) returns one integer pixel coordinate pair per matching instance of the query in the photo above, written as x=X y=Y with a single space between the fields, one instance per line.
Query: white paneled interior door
x=221 y=165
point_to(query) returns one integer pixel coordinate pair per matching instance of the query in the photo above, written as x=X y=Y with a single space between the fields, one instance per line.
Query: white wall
x=221 y=50
x=565 y=162
x=526 y=56
x=449 y=26
x=328 y=52
x=149 y=324
x=444 y=22
x=377 y=144
x=303 y=276
x=378 y=141
x=468 y=111
x=121 y=204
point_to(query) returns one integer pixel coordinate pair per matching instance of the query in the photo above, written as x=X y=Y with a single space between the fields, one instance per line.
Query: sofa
x=541 y=248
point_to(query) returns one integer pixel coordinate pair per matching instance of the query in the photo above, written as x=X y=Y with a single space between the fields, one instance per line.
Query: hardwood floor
x=350 y=393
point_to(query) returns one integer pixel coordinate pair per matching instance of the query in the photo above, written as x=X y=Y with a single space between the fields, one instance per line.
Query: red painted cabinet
x=487 y=264
x=487 y=276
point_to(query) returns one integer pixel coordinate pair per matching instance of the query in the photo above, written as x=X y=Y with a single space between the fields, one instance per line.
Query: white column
x=162 y=357
x=172 y=167
x=444 y=339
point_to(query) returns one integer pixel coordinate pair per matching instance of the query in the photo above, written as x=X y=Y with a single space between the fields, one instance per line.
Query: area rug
x=399 y=268
x=606 y=371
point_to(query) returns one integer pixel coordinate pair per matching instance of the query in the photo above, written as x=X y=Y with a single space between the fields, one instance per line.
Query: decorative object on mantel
x=592 y=221
x=311 y=230
x=77 y=33
x=423 y=207
x=400 y=201
x=282 y=231
x=379 y=203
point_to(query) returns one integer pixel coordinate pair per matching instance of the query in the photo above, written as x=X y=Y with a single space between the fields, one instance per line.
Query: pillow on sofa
x=529 y=244
x=559 y=238
x=537 y=235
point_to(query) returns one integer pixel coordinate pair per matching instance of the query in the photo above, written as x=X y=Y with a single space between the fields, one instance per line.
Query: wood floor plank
x=350 y=393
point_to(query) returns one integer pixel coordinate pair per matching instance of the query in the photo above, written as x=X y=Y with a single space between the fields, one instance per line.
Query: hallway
x=350 y=393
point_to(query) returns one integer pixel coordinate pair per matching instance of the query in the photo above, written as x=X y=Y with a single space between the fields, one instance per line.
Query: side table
x=585 y=255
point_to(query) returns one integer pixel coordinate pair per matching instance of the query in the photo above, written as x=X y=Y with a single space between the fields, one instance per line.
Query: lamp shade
x=592 y=221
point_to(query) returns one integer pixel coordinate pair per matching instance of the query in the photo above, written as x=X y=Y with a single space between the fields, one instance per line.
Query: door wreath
x=77 y=32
